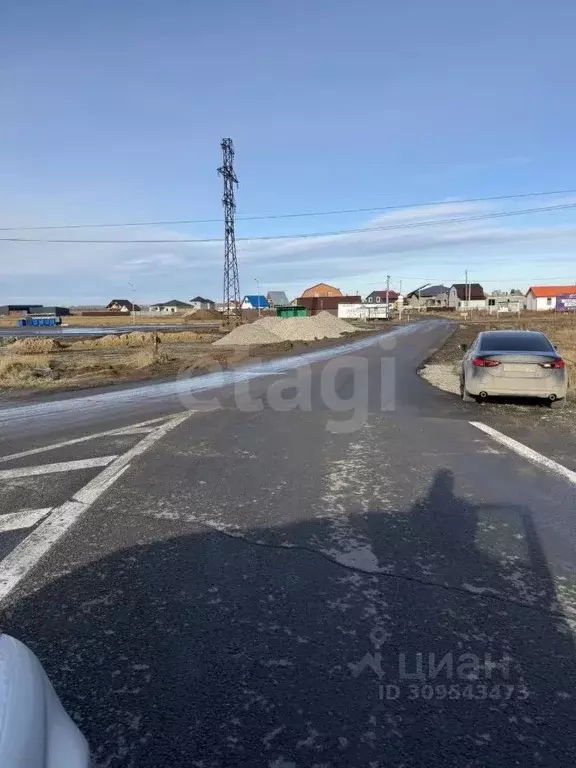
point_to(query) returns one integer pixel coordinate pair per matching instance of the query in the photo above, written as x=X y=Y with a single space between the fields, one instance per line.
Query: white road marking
x=527 y=453
x=26 y=555
x=135 y=431
x=132 y=429
x=25 y=518
x=61 y=466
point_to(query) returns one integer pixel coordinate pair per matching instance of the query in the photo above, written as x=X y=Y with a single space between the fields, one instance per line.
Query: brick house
x=321 y=290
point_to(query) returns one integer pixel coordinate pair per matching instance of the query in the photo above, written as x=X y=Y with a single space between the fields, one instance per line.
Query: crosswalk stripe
x=24 y=556
x=25 y=518
x=62 y=466
x=152 y=423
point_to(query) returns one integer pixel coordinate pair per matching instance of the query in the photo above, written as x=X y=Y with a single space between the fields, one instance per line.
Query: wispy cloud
x=74 y=272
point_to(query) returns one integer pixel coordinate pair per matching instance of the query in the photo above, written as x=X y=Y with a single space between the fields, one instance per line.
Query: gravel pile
x=443 y=376
x=245 y=335
x=333 y=323
x=302 y=329
x=271 y=330
x=268 y=322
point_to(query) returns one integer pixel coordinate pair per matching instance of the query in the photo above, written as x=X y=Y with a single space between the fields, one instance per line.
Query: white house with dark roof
x=199 y=302
x=122 y=305
x=171 y=307
x=464 y=296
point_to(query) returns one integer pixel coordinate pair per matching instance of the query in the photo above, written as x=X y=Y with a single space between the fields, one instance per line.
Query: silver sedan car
x=513 y=364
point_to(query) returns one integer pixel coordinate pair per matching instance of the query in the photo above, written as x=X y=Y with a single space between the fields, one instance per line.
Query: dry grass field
x=110 y=321
x=48 y=364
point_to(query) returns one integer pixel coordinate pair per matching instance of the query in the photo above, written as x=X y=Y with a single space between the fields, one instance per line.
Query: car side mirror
x=463 y=347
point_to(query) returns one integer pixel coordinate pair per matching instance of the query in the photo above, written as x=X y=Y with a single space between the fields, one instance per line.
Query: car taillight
x=480 y=362
x=554 y=364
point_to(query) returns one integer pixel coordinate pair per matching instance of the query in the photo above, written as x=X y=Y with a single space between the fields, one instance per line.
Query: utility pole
x=232 y=314
x=258 y=295
x=466 y=291
x=387 y=297
x=133 y=305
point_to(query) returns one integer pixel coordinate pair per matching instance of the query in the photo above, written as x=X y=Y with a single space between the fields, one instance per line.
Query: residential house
x=315 y=304
x=198 y=302
x=122 y=305
x=502 y=301
x=254 y=301
x=172 y=307
x=429 y=297
x=321 y=290
x=464 y=296
x=20 y=309
x=379 y=297
x=221 y=307
x=543 y=297
x=277 y=299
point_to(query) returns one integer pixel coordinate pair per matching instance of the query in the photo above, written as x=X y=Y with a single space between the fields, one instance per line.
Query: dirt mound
x=202 y=314
x=144 y=358
x=134 y=339
x=245 y=335
x=177 y=337
x=34 y=346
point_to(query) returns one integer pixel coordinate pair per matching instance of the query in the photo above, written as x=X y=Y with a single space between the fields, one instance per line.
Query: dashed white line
x=61 y=466
x=26 y=555
x=527 y=453
x=25 y=518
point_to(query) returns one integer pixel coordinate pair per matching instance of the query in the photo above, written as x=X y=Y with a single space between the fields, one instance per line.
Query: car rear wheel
x=466 y=398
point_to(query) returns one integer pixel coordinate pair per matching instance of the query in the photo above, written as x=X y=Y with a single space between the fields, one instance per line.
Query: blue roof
x=258 y=302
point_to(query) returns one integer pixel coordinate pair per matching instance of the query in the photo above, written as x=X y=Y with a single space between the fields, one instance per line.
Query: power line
x=302 y=214
x=301 y=236
x=568 y=280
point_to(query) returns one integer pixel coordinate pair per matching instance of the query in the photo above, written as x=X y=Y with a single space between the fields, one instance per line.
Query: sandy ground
x=36 y=365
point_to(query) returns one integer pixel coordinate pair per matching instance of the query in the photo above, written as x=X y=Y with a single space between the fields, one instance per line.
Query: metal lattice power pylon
x=232 y=311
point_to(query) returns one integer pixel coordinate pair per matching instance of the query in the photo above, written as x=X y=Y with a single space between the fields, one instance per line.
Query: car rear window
x=515 y=342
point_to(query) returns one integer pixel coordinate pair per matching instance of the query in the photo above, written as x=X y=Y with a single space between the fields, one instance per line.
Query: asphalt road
x=265 y=585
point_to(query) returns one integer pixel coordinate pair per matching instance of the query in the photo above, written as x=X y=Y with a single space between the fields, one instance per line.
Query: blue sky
x=113 y=111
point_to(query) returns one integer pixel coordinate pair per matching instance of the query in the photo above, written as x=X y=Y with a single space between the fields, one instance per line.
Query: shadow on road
x=207 y=649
